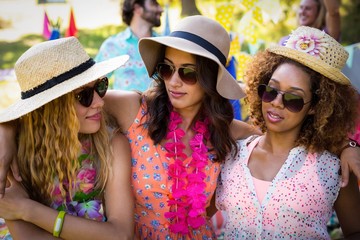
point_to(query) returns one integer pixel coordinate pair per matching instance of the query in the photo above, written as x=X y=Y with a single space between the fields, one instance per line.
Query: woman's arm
x=350 y=160
x=13 y=201
x=8 y=154
x=24 y=230
x=332 y=18
x=241 y=130
x=347 y=207
x=118 y=201
x=122 y=106
x=119 y=196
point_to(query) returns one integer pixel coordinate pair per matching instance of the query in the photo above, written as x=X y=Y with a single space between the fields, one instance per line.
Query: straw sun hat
x=54 y=68
x=316 y=50
x=201 y=36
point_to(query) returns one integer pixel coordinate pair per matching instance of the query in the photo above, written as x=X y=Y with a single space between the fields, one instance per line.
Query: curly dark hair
x=216 y=108
x=127 y=10
x=334 y=104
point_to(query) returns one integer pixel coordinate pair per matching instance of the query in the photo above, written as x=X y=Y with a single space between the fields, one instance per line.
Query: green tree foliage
x=350 y=31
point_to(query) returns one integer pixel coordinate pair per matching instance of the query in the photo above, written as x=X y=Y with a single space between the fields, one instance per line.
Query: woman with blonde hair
x=73 y=180
x=320 y=14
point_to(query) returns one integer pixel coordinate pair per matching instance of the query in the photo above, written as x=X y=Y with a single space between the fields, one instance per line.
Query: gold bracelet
x=59 y=221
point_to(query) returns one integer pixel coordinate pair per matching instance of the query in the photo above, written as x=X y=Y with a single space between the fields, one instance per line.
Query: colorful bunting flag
x=72 y=30
x=271 y=9
x=224 y=15
x=46 y=30
x=242 y=59
x=249 y=4
x=257 y=15
x=235 y=47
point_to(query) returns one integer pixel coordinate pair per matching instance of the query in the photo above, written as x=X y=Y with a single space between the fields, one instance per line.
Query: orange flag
x=72 y=30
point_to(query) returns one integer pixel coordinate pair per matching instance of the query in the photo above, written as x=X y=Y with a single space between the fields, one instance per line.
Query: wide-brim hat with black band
x=201 y=36
x=54 y=68
x=317 y=50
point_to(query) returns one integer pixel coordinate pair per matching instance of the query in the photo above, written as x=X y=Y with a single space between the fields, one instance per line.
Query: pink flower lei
x=188 y=200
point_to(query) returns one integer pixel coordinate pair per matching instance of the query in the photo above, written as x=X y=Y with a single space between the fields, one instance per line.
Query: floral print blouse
x=151 y=185
x=297 y=205
x=86 y=201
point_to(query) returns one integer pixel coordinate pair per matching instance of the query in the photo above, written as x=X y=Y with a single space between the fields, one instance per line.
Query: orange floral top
x=152 y=186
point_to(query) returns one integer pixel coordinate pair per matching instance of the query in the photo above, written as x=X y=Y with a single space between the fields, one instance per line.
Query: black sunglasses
x=292 y=102
x=187 y=75
x=86 y=96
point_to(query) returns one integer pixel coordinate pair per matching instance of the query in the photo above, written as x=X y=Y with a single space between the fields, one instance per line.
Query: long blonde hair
x=49 y=145
x=320 y=21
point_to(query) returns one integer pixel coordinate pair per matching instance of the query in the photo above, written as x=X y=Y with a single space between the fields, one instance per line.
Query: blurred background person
x=320 y=14
x=140 y=16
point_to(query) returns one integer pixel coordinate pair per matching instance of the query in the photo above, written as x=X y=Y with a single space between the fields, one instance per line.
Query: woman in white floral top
x=73 y=175
x=286 y=183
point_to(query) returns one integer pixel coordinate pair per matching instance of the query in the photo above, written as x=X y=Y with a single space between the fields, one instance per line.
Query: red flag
x=46 y=30
x=72 y=30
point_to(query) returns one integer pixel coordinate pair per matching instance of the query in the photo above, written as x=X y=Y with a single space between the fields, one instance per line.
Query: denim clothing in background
x=133 y=75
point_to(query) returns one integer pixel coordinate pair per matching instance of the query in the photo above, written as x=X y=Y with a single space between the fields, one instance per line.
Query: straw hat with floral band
x=320 y=52
x=54 y=68
x=201 y=36
x=316 y=50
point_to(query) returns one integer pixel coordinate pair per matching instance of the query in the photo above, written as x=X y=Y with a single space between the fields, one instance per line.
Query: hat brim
x=25 y=106
x=312 y=62
x=226 y=85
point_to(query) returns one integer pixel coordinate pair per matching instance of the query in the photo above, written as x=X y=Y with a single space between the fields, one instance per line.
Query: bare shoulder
x=119 y=140
x=120 y=149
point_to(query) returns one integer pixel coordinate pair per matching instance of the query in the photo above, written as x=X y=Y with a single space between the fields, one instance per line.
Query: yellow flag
x=242 y=59
x=248 y=4
x=224 y=15
x=234 y=46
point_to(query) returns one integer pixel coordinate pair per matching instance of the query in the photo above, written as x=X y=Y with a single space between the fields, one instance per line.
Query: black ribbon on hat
x=59 y=79
x=202 y=42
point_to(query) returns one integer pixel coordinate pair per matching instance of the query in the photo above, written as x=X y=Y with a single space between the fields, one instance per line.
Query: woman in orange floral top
x=179 y=130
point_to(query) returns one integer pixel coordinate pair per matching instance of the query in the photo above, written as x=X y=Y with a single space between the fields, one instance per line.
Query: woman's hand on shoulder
x=350 y=161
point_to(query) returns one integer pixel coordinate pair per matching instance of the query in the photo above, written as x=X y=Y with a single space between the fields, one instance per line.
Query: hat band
x=202 y=42
x=59 y=79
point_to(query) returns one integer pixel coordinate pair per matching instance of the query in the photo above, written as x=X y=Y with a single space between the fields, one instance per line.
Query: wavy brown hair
x=49 y=144
x=215 y=107
x=334 y=104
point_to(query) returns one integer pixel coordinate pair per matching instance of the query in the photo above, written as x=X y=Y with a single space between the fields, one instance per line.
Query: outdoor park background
x=21 y=26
